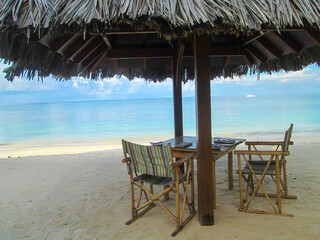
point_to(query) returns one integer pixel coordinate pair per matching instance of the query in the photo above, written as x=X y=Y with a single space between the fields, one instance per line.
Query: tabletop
x=189 y=143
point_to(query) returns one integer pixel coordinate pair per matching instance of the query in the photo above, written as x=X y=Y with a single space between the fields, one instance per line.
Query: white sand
x=86 y=196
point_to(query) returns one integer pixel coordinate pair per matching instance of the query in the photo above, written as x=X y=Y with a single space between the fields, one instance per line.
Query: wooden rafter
x=84 y=52
x=290 y=42
x=107 y=41
x=253 y=38
x=78 y=46
x=226 y=61
x=96 y=52
x=127 y=53
x=248 y=59
x=62 y=41
x=271 y=49
x=98 y=60
x=256 y=53
x=314 y=35
x=168 y=52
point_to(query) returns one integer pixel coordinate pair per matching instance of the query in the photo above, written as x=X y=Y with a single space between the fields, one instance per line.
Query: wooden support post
x=203 y=112
x=177 y=97
x=177 y=91
x=230 y=170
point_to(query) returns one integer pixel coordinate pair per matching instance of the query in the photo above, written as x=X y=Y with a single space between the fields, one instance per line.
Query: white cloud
x=114 y=81
x=80 y=84
x=188 y=86
x=135 y=85
x=305 y=74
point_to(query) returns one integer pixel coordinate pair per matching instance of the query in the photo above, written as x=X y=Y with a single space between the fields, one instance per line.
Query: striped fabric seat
x=159 y=180
x=151 y=160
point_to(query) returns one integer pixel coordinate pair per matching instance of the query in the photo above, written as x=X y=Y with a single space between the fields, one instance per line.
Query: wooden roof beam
x=96 y=63
x=128 y=53
x=226 y=51
x=253 y=38
x=294 y=46
x=264 y=43
x=84 y=52
x=256 y=53
x=94 y=55
x=168 y=52
x=77 y=46
x=60 y=42
x=314 y=35
x=248 y=58
x=106 y=40
x=226 y=61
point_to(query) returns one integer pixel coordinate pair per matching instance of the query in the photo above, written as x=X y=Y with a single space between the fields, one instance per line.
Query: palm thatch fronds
x=24 y=22
x=170 y=17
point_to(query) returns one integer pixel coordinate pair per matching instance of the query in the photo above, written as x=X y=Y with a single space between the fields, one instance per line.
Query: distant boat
x=250 y=95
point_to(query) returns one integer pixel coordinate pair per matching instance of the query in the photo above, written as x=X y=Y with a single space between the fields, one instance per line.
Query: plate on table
x=216 y=146
x=183 y=145
x=225 y=141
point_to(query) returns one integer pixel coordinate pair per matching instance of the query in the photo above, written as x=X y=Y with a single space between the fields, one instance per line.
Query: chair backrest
x=152 y=160
x=287 y=138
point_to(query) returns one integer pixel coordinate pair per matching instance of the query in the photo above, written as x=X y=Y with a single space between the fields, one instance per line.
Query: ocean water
x=105 y=120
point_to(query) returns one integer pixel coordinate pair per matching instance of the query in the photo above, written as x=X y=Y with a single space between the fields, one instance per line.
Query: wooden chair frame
x=280 y=146
x=244 y=202
x=137 y=210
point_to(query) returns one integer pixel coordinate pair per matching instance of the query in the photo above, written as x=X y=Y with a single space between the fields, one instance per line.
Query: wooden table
x=216 y=154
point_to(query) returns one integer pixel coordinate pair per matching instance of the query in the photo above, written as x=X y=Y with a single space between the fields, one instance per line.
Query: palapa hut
x=156 y=39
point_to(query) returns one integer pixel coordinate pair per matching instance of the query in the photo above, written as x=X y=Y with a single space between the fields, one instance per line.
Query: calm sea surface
x=104 y=120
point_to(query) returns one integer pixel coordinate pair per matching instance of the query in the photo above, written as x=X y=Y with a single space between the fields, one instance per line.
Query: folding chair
x=280 y=146
x=154 y=165
x=272 y=166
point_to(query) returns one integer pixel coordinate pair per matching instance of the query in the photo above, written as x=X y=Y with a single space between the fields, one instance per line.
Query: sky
x=22 y=90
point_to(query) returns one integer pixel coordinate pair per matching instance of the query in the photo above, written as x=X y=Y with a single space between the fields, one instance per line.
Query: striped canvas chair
x=269 y=163
x=154 y=165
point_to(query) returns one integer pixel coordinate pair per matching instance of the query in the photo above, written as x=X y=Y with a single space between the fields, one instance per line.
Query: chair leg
x=240 y=182
x=180 y=222
x=132 y=196
x=177 y=204
x=285 y=186
x=135 y=213
x=278 y=185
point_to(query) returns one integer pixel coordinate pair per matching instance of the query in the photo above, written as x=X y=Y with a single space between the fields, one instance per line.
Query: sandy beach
x=81 y=191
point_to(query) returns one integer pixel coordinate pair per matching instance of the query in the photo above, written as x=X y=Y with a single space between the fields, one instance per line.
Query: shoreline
x=12 y=150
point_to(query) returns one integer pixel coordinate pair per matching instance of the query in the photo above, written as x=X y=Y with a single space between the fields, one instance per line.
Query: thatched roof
x=42 y=37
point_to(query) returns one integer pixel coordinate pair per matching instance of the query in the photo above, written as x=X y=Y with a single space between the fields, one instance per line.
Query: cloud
x=114 y=81
x=80 y=84
x=135 y=85
x=188 y=86
x=282 y=77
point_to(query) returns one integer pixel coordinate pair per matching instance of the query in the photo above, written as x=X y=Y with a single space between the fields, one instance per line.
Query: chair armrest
x=238 y=152
x=267 y=143
x=126 y=160
x=183 y=160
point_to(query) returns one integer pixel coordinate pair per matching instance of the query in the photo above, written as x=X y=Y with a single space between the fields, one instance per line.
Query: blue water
x=104 y=120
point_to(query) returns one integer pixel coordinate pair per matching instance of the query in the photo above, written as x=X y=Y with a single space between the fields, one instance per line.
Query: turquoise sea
x=104 y=120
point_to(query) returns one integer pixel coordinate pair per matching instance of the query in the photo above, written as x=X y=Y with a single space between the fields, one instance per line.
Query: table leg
x=230 y=170
x=214 y=184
